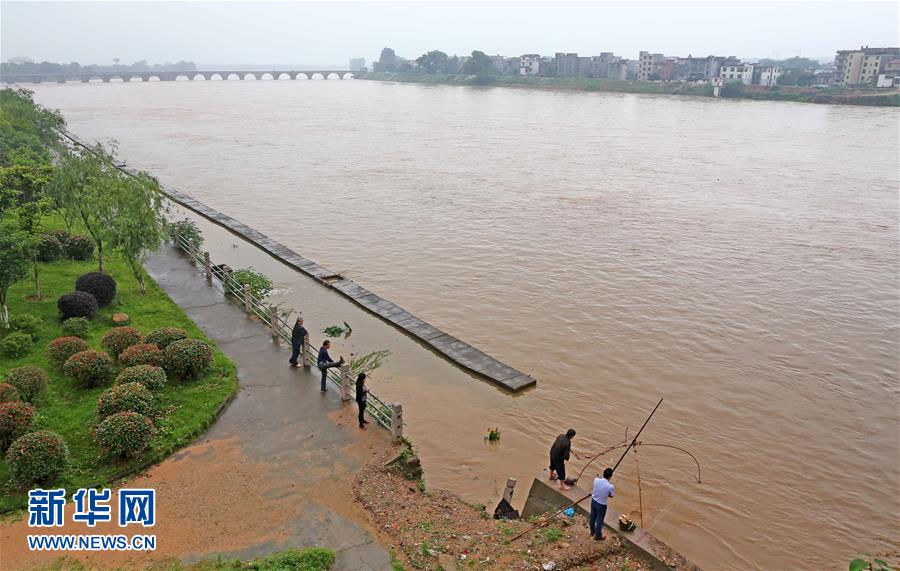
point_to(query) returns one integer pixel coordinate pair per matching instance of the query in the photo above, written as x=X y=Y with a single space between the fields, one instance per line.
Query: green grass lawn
x=188 y=407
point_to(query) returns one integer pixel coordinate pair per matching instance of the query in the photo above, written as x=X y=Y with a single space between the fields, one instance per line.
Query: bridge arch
x=182 y=77
x=199 y=77
x=302 y=76
x=153 y=77
x=268 y=75
x=317 y=75
x=283 y=75
x=232 y=77
x=249 y=77
x=331 y=75
x=348 y=75
x=215 y=77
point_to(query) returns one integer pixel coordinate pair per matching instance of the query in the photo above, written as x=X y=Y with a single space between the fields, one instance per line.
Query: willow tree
x=139 y=225
x=16 y=255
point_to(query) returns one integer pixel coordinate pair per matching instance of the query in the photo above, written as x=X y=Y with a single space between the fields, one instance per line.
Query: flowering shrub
x=9 y=393
x=31 y=382
x=77 y=304
x=89 y=368
x=188 y=358
x=37 y=457
x=60 y=349
x=118 y=339
x=16 y=344
x=25 y=323
x=80 y=248
x=151 y=377
x=140 y=354
x=49 y=248
x=164 y=336
x=101 y=286
x=128 y=396
x=16 y=419
x=77 y=327
x=125 y=434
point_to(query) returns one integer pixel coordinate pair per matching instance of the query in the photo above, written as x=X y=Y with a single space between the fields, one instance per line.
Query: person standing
x=362 y=392
x=298 y=341
x=559 y=455
x=603 y=490
x=325 y=362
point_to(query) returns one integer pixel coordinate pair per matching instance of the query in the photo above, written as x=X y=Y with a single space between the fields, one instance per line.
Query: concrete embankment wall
x=448 y=346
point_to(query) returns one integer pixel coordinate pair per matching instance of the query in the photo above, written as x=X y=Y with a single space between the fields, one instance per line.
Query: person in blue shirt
x=603 y=490
x=325 y=362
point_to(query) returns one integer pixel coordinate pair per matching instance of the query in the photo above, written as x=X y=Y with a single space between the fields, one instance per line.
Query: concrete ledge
x=545 y=496
x=449 y=347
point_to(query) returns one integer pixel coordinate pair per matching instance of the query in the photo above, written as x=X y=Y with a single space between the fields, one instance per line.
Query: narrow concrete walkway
x=274 y=472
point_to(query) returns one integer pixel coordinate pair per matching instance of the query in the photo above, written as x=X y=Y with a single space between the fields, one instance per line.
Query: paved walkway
x=274 y=472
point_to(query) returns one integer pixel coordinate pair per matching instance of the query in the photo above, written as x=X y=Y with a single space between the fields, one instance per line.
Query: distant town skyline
x=331 y=33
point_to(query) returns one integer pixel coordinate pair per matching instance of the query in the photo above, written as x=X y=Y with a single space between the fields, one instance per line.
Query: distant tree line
x=478 y=64
x=46 y=67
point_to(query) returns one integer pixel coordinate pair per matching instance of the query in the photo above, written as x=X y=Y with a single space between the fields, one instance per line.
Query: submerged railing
x=388 y=416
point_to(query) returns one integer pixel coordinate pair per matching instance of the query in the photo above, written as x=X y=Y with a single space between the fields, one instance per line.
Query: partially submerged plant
x=367 y=363
x=493 y=434
x=338 y=330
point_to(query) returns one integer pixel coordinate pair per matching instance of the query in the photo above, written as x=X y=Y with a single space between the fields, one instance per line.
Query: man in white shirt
x=603 y=490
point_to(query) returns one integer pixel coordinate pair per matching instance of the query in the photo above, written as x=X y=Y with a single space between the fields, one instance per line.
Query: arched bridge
x=138 y=76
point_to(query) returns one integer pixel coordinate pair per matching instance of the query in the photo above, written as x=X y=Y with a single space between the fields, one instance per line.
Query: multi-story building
x=891 y=75
x=530 y=64
x=648 y=66
x=357 y=64
x=742 y=72
x=863 y=66
x=766 y=75
x=566 y=64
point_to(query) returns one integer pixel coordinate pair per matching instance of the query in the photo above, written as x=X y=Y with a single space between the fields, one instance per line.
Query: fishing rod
x=636 y=446
x=576 y=502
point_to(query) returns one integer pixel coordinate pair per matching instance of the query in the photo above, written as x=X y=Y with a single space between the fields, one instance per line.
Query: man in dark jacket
x=324 y=362
x=298 y=341
x=559 y=454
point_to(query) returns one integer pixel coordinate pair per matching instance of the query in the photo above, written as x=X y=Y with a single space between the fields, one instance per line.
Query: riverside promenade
x=273 y=473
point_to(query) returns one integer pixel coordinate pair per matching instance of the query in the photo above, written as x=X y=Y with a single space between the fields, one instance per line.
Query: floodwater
x=738 y=258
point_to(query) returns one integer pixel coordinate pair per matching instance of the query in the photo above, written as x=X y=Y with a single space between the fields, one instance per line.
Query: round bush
x=16 y=419
x=31 y=382
x=80 y=248
x=101 y=286
x=89 y=368
x=151 y=377
x=16 y=344
x=164 y=336
x=49 y=248
x=77 y=304
x=60 y=349
x=140 y=354
x=77 y=327
x=188 y=358
x=38 y=457
x=25 y=323
x=118 y=339
x=128 y=396
x=9 y=393
x=125 y=434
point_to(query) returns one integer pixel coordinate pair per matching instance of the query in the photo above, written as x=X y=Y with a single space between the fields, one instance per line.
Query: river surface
x=738 y=258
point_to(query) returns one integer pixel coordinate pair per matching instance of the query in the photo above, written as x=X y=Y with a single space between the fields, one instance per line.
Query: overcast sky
x=330 y=33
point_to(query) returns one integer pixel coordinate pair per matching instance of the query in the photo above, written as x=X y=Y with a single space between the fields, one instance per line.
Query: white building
x=766 y=75
x=742 y=72
x=530 y=64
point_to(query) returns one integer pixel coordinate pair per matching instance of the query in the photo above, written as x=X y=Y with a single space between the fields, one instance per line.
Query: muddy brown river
x=738 y=258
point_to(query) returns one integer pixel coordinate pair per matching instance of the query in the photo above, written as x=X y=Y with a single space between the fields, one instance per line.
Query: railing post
x=226 y=275
x=345 y=382
x=273 y=322
x=304 y=356
x=397 y=421
x=508 y=492
x=192 y=250
x=177 y=238
x=207 y=265
x=247 y=298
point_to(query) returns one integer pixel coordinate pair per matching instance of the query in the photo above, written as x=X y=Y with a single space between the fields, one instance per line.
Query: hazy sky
x=326 y=33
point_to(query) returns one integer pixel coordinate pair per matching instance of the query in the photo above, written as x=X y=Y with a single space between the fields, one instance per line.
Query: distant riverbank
x=830 y=95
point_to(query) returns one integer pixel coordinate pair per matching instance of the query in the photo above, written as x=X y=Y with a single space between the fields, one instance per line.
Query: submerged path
x=273 y=473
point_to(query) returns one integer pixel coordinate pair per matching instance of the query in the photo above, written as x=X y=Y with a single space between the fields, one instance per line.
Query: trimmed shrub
x=140 y=354
x=128 y=396
x=89 y=368
x=188 y=358
x=164 y=336
x=186 y=229
x=16 y=344
x=25 y=323
x=16 y=419
x=77 y=327
x=49 y=248
x=118 y=339
x=125 y=434
x=9 y=393
x=80 y=248
x=31 y=382
x=60 y=349
x=77 y=304
x=101 y=286
x=38 y=457
x=151 y=377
